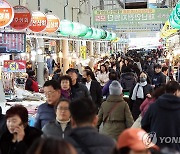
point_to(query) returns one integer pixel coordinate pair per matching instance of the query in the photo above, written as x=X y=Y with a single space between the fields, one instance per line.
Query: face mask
x=84 y=80
x=142 y=79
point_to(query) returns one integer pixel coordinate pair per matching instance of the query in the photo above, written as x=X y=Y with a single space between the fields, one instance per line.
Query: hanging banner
x=22 y=18
x=14 y=66
x=38 y=22
x=6 y=14
x=83 y=52
x=53 y=23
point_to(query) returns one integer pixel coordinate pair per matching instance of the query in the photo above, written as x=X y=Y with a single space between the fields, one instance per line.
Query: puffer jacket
x=90 y=138
x=118 y=120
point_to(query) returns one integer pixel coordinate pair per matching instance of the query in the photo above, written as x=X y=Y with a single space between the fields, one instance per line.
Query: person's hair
x=31 y=73
x=83 y=110
x=125 y=150
x=112 y=75
x=105 y=68
x=157 y=66
x=164 y=68
x=65 y=77
x=148 y=79
x=107 y=63
x=172 y=87
x=50 y=146
x=158 y=91
x=88 y=73
x=19 y=110
x=52 y=83
x=87 y=68
x=62 y=100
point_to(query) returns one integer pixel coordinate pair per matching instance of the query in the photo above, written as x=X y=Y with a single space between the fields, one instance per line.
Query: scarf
x=63 y=124
x=66 y=93
x=138 y=91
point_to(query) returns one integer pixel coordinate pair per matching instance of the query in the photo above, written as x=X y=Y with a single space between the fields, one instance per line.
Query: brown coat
x=119 y=119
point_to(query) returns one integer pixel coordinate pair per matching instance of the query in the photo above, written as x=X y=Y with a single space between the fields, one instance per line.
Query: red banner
x=14 y=66
x=22 y=18
x=38 y=22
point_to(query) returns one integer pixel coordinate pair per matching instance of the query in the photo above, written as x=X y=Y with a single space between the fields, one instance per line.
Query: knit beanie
x=115 y=88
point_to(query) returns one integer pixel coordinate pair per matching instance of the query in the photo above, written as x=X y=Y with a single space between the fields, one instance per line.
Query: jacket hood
x=169 y=101
x=115 y=98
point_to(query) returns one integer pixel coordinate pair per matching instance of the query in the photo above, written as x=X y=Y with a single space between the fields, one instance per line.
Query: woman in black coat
x=141 y=90
x=19 y=136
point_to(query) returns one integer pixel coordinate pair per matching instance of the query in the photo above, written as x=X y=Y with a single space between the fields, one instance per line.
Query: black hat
x=72 y=70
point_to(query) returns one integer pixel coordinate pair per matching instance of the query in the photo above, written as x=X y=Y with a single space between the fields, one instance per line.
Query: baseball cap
x=71 y=70
x=136 y=139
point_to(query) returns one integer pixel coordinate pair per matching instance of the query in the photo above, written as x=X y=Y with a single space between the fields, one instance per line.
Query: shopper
x=84 y=136
x=78 y=89
x=46 y=111
x=65 y=84
x=31 y=83
x=114 y=112
x=60 y=127
x=19 y=135
x=134 y=141
x=93 y=87
x=142 y=90
x=163 y=116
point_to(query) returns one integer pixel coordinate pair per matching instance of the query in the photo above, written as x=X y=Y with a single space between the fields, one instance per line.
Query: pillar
x=77 y=48
x=98 y=48
x=91 y=52
x=65 y=50
x=40 y=62
x=2 y=95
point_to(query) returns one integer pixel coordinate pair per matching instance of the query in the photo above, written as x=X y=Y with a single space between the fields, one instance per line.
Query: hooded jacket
x=163 y=118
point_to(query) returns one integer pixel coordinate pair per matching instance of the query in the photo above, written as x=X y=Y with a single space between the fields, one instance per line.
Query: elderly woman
x=19 y=136
x=61 y=126
x=65 y=84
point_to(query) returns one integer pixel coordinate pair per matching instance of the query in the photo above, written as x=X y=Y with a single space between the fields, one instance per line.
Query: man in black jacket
x=77 y=90
x=85 y=137
x=163 y=117
x=93 y=87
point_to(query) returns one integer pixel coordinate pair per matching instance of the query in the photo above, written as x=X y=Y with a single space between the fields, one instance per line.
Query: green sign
x=131 y=18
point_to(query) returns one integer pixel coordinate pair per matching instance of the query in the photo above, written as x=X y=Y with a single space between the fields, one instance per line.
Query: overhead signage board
x=132 y=19
x=12 y=42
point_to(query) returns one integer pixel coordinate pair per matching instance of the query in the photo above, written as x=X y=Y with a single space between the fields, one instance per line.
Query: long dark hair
x=105 y=68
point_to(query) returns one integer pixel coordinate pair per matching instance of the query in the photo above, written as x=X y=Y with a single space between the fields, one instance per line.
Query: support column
x=65 y=50
x=98 y=48
x=40 y=62
x=77 y=48
x=91 y=52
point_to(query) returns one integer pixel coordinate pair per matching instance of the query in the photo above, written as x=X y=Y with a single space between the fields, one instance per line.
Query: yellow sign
x=83 y=52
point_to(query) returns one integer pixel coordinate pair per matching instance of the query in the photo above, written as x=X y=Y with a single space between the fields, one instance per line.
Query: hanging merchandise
x=22 y=18
x=6 y=13
x=38 y=22
x=53 y=23
x=66 y=27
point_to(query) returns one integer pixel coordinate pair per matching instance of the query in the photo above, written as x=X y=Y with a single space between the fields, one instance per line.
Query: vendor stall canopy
x=20 y=18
